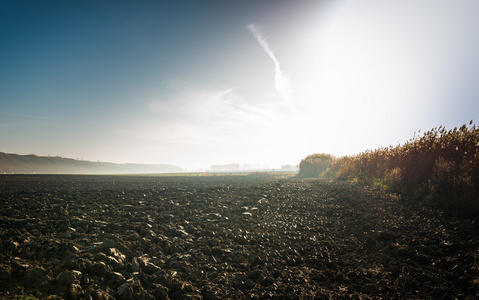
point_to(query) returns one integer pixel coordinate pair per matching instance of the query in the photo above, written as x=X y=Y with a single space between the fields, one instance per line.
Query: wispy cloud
x=212 y=106
x=281 y=81
x=197 y=114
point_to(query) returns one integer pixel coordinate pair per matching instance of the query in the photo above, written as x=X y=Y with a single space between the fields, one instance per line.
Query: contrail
x=281 y=81
x=258 y=35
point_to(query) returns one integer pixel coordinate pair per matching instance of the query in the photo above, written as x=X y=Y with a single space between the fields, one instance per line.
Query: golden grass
x=441 y=166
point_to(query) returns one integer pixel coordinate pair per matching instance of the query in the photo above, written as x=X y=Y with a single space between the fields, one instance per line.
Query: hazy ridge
x=15 y=163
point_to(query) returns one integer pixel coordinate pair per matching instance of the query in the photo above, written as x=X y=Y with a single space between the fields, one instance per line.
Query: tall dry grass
x=440 y=166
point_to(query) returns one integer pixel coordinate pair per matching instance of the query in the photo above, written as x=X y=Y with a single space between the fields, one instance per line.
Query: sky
x=199 y=83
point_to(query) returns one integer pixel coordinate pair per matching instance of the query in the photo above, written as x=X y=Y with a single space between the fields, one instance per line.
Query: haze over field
x=32 y=164
x=201 y=83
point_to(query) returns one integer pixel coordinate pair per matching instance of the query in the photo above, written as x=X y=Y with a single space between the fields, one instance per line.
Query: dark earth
x=217 y=237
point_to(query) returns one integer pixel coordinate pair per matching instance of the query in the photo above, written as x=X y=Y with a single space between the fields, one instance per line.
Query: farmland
x=256 y=236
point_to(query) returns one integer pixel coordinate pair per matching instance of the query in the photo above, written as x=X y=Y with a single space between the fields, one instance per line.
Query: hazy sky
x=196 y=83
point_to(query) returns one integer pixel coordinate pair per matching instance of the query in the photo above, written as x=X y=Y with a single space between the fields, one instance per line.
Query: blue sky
x=197 y=83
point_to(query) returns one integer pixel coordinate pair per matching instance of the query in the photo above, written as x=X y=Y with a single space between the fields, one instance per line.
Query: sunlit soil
x=97 y=237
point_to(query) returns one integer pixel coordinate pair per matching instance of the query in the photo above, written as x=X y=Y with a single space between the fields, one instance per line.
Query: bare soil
x=259 y=237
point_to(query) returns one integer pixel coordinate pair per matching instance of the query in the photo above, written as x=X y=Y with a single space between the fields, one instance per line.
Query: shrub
x=315 y=165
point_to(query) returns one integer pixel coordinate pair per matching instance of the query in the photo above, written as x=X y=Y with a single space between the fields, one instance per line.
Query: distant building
x=289 y=168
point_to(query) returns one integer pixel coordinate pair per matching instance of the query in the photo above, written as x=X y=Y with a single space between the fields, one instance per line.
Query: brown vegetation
x=441 y=166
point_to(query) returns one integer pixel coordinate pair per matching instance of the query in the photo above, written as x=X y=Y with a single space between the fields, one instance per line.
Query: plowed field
x=260 y=237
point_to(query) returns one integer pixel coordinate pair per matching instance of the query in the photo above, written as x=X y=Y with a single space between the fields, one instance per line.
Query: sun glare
x=360 y=79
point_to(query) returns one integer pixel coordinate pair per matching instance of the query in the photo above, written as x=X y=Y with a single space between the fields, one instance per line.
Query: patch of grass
x=29 y=297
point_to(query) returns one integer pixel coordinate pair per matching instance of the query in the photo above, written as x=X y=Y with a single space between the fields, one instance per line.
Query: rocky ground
x=260 y=237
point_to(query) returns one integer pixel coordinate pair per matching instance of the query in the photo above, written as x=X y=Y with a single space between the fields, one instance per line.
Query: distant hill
x=14 y=163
